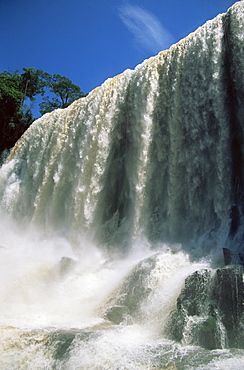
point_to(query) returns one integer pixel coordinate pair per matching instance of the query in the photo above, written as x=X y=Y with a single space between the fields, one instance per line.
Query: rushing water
x=108 y=205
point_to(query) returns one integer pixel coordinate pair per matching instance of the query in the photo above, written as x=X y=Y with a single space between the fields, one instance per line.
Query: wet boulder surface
x=209 y=309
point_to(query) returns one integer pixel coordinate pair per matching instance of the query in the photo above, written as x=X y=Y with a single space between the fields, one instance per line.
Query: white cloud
x=145 y=27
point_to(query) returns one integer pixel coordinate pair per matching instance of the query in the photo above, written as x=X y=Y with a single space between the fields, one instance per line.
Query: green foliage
x=65 y=93
x=32 y=82
x=18 y=89
x=14 y=118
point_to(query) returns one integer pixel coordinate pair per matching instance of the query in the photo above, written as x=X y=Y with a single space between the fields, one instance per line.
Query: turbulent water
x=133 y=183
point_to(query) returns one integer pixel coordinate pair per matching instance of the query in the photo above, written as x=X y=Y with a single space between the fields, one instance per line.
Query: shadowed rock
x=209 y=309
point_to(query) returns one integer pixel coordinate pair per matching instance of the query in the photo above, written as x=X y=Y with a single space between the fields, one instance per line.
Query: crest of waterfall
x=154 y=152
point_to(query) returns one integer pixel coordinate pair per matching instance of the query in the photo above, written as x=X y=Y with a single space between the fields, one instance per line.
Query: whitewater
x=107 y=206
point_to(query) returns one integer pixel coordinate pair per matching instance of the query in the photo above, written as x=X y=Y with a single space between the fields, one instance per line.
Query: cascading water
x=109 y=205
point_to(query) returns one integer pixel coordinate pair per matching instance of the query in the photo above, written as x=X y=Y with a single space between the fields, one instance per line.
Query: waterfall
x=155 y=151
x=110 y=204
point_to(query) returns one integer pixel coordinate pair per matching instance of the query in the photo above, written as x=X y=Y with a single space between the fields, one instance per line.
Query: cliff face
x=154 y=152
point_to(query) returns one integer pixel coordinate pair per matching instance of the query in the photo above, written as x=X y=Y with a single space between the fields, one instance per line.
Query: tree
x=17 y=91
x=65 y=93
x=33 y=82
x=14 y=118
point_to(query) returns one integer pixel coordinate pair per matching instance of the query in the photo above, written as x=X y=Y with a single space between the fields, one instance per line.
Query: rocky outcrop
x=209 y=309
x=125 y=305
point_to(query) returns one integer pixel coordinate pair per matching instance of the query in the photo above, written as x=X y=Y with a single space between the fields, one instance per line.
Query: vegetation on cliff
x=18 y=93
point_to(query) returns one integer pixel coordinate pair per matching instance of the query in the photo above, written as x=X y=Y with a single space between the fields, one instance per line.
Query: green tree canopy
x=65 y=93
x=33 y=82
x=14 y=119
x=19 y=89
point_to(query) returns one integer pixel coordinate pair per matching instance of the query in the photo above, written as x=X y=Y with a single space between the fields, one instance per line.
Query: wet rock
x=209 y=309
x=125 y=306
x=193 y=297
x=207 y=333
x=177 y=324
x=61 y=342
x=66 y=264
x=228 y=298
x=116 y=314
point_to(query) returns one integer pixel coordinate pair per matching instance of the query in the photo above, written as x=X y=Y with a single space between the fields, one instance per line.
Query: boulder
x=209 y=309
x=126 y=302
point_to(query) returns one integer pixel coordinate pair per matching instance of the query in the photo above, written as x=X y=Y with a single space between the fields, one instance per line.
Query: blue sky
x=89 y=41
